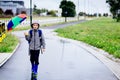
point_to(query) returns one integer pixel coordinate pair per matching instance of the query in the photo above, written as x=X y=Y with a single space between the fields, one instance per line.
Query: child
x=36 y=42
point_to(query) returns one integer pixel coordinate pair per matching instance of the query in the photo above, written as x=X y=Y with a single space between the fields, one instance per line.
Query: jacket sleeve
x=43 y=41
x=27 y=37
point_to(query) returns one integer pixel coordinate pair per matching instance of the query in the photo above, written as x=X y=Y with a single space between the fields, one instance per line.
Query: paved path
x=62 y=60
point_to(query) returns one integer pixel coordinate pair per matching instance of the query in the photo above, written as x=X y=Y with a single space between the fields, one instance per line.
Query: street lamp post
x=66 y=16
x=84 y=9
x=65 y=11
x=78 y=10
x=30 y=12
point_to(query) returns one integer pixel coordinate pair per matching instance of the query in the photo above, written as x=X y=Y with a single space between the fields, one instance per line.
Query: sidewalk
x=112 y=63
x=4 y=57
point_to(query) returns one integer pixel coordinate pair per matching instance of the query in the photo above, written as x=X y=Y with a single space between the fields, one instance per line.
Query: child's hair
x=23 y=12
x=35 y=23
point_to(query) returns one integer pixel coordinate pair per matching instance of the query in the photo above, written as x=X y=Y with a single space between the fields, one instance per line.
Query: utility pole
x=66 y=16
x=30 y=12
x=84 y=9
x=65 y=11
x=78 y=10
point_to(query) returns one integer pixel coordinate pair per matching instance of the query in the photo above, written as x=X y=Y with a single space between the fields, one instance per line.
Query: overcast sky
x=89 y=6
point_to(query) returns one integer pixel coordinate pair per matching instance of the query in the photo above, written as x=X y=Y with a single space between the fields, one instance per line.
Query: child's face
x=35 y=26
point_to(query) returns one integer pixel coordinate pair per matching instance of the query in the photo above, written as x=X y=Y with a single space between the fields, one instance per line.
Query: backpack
x=39 y=31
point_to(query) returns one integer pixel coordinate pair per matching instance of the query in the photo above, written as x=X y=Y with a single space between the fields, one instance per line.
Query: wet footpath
x=63 y=60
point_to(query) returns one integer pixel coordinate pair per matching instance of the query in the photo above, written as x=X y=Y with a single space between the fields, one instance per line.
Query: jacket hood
x=35 y=23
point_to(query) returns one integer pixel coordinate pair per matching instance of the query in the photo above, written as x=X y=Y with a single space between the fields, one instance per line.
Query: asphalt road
x=62 y=60
x=64 y=25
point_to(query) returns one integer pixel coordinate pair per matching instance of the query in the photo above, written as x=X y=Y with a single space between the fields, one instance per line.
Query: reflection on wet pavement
x=64 y=60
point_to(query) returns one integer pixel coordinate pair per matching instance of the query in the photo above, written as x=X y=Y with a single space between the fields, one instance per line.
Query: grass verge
x=42 y=26
x=8 y=44
x=21 y=28
x=103 y=33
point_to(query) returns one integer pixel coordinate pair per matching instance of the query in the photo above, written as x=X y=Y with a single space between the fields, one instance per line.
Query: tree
x=52 y=13
x=95 y=14
x=8 y=12
x=68 y=8
x=114 y=7
x=99 y=15
x=34 y=8
x=81 y=13
x=1 y=11
x=43 y=10
x=105 y=14
x=38 y=11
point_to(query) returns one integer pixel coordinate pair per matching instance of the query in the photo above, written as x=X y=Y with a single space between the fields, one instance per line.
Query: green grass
x=8 y=44
x=5 y=18
x=28 y=27
x=21 y=28
x=103 y=33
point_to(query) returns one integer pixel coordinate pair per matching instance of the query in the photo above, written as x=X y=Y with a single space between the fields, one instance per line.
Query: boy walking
x=36 y=42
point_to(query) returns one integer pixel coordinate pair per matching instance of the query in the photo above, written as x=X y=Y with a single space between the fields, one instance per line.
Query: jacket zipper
x=34 y=40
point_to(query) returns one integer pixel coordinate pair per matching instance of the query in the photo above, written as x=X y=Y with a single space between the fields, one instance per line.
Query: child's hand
x=43 y=50
x=25 y=33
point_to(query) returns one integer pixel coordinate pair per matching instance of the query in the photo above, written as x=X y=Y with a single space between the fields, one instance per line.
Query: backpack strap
x=30 y=33
x=40 y=32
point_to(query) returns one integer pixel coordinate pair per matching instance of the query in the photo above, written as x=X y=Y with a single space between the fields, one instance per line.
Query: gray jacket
x=36 y=42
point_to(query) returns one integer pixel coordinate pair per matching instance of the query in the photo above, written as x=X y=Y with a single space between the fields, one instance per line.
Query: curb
x=9 y=55
x=99 y=54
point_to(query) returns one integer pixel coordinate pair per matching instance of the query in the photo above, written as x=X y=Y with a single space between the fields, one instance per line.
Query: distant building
x=13 y=7
x=43 y=14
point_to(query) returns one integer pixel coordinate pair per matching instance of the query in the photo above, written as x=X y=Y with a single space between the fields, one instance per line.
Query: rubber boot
x=33 y=68
x=33 y=72
x=36 y=68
